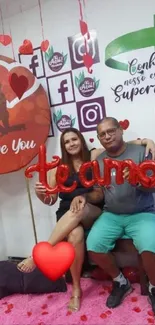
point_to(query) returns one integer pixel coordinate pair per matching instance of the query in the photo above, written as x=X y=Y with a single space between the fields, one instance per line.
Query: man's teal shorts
x=109 y=227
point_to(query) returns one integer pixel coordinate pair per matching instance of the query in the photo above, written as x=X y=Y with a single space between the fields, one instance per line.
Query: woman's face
x=72 y=143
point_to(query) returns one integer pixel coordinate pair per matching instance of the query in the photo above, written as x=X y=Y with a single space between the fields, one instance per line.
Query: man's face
x=110 y=136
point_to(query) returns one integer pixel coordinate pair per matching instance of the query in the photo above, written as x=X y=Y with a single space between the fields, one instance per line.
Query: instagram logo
x=90 y=112
x=77 y=49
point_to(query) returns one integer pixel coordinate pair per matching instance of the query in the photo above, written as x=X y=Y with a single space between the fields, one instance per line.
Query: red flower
x=50 y=296
x=10 y=306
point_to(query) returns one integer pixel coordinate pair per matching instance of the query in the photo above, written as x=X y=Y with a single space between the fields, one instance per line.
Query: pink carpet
x=51 y=309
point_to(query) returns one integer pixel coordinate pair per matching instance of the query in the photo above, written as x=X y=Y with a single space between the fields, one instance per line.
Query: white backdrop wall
x=109 y=19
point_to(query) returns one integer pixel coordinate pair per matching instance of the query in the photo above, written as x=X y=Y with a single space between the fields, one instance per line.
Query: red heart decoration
x=19 y=84
x=5 y=39
x=124 y=124
x=53 y=262
x=44 y=45
x=88 y=61
x=91 y=140
x=26 y=47
x=83 y=27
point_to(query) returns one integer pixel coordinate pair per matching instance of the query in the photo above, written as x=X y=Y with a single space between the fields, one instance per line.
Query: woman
x=78 y=210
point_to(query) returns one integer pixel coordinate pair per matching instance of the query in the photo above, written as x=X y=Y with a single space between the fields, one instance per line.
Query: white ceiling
x=12 y=7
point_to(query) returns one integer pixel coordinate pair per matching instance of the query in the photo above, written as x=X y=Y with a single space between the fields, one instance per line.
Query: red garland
x=137 y=173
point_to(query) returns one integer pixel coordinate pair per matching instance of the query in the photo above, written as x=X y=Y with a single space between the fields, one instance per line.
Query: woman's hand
x=78 y=203
x=40 y=189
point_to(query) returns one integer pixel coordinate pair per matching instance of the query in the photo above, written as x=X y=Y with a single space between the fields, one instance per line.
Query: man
x=129 y=210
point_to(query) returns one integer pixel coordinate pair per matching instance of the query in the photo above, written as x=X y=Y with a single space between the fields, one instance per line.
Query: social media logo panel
x=77 y=49
x=34 y=62
x=61 y=89
x=90 y=112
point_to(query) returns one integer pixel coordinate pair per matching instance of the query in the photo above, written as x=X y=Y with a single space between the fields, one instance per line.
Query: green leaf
x=94 y=79
x=59 y=114
x=50 y=52
x=97 y=83
x=46 y=57
x=81 y=77
x=54 y=118
x=65 y=58
x=73 y=121
x=76 y=81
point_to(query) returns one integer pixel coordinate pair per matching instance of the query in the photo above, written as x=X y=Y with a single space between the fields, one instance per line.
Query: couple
x=80 y=209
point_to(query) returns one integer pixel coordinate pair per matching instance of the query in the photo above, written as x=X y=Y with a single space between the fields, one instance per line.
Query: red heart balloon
x=19 y=84
x=53 y=261
x=5 y=39
x=44 y=45
x=26 y=47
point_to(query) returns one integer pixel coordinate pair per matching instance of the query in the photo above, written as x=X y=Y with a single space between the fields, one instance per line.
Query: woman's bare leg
x=64 y=226
x=76 y=238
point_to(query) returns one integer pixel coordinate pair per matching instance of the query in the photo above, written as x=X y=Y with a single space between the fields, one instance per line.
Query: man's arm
x=148 y=143
x=149 y=173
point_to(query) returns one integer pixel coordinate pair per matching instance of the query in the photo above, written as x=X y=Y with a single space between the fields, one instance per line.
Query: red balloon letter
x=82 y=175
x=61 y=177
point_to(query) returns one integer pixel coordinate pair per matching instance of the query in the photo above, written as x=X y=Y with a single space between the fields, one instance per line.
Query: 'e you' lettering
x=20 y=145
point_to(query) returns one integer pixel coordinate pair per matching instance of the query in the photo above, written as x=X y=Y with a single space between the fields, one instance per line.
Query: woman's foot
x=75 y=300
x=26 y=265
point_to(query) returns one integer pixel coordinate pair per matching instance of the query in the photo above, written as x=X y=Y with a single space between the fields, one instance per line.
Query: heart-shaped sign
x=5 y=39
x=26 y=47
x=124 y=124
x=91 y=140
x=19 y=84
x=54 y=261
x=44 y=45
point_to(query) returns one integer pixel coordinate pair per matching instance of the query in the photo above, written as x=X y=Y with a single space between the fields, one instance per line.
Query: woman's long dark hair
x=66 y=157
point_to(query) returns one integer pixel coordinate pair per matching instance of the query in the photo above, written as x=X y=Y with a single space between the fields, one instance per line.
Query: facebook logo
x=61 y=90
x=34 y=62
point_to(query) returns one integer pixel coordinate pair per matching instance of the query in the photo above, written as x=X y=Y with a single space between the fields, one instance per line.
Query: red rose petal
x=150 y=313
x=29 y=313
x=150 y=320
x=102 y=293
x=44 y=306
x=137 y=309
x=7 y=311
x=10 y=306
x=134 y=299
x=83 y=318
x=103 y=315
x=50 y=296
x=69 y=313
x=108 y=312
x=44 y=313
